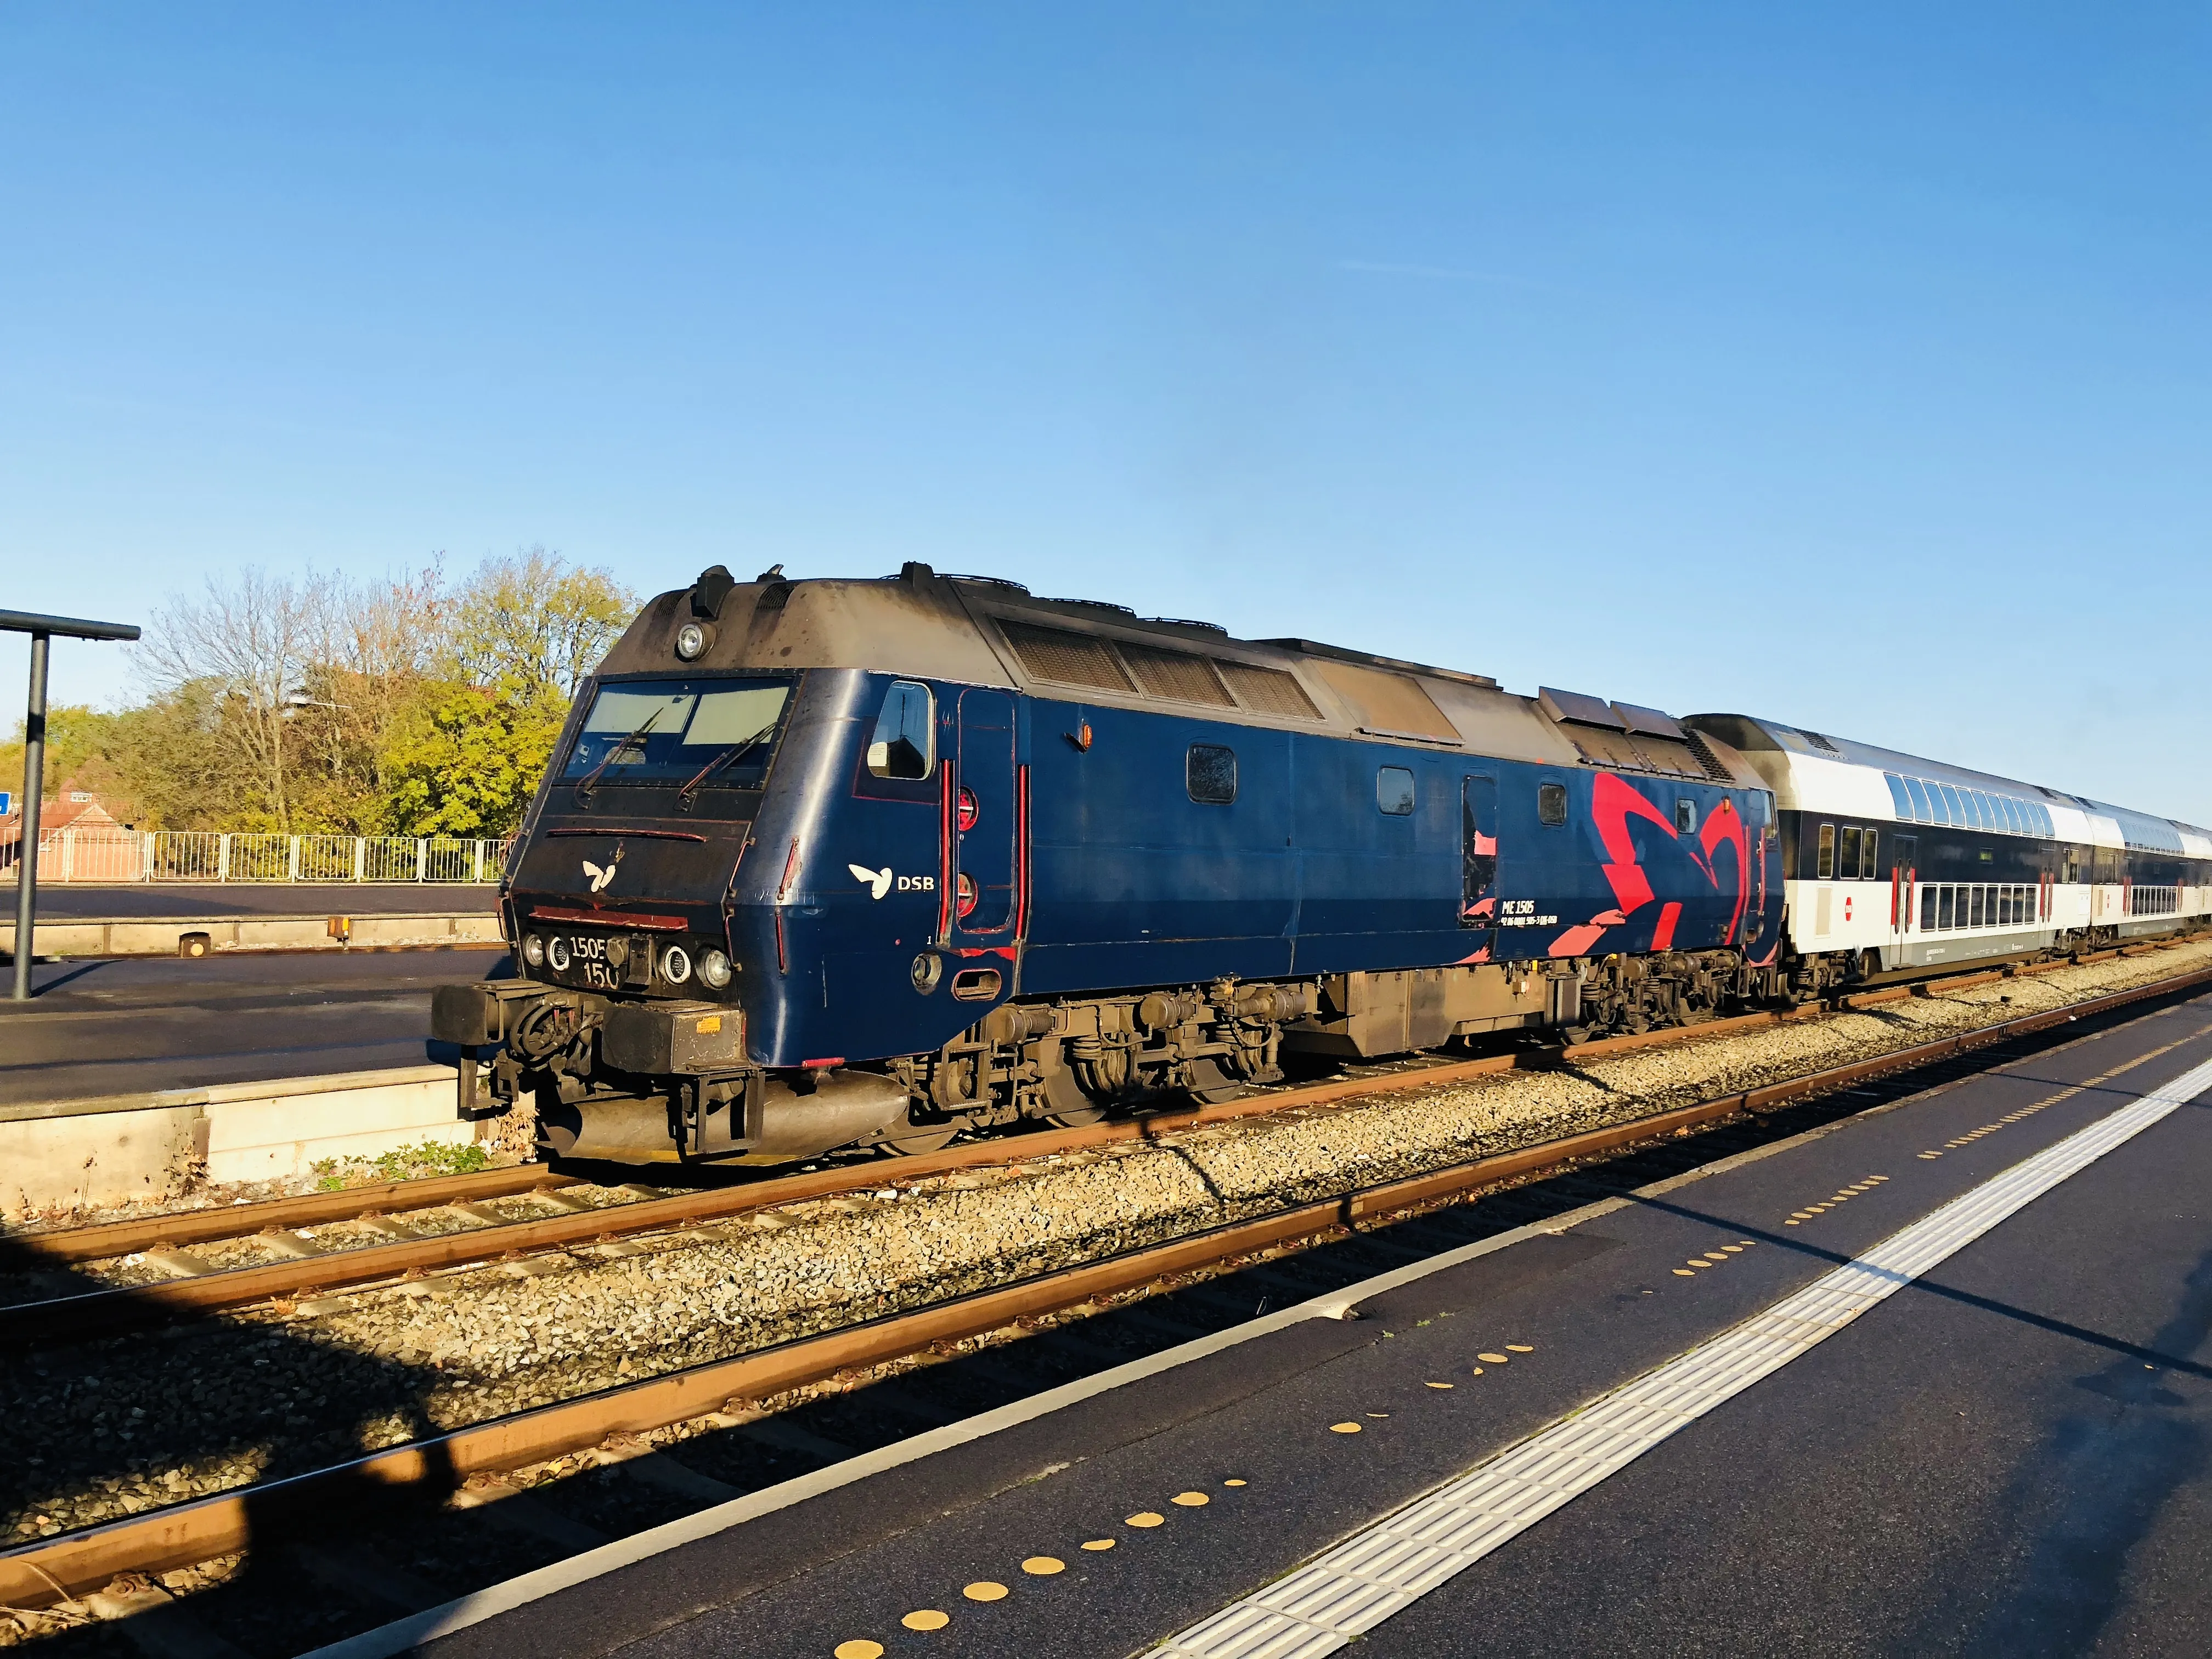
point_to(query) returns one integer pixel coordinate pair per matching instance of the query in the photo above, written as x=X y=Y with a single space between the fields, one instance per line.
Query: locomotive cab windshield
x=681 y=731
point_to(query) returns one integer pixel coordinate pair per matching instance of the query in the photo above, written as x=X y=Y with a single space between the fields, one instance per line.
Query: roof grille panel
x=1054 y=653
x=1698 y=746
x=1268 y=690
x=1175 y=674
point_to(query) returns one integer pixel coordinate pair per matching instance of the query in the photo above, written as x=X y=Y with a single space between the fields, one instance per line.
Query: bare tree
x=535 y=621
x=255 y=637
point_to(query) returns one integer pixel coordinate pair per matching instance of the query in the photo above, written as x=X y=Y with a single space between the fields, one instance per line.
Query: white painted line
x=1353 y=1587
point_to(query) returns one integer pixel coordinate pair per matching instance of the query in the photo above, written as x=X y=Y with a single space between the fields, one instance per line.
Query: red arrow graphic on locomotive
x=1613 y=802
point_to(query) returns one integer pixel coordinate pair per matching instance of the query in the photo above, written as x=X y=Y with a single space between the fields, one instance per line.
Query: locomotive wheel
x=1210 y=1085
x=1069 y=1108
x=934 y=1138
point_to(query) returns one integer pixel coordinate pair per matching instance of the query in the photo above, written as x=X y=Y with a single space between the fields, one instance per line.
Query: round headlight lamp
x=557 y=954
x=533 y=950
x=714 y=969
x=675 y=964
x=692 y=640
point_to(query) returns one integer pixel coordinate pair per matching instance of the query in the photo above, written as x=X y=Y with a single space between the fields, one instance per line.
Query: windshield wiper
x=584 y=789
x=684 y=795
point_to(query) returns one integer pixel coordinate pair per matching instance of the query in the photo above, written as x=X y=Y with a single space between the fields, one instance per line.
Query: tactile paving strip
x=1358 y=1585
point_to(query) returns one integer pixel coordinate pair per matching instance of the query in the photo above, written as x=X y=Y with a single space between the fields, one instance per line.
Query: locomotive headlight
x=714 y=968
x=691 y=640
x=557 y=954
x=533 y=950
x=675 y=964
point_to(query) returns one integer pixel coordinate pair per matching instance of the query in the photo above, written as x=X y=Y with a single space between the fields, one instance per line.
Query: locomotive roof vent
x=1582 y=710
x=1648 y=722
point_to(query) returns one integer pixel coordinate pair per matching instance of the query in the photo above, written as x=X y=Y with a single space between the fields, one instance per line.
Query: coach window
x=1847 y=858
x=1209 y=773
x=1393 y=790
x=1686 y=817
x=1824 y=870
x=1868 y=869
x=1922 y=811
x=904 y=741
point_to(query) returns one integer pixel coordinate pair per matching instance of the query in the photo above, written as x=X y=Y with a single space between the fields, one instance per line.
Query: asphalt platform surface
x=130 y=1024
x=2012 y=1454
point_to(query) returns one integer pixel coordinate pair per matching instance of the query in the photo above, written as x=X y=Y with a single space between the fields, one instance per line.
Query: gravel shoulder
x=136 y=1422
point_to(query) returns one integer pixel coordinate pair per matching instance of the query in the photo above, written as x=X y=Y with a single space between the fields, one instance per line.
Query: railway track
x=1089 y=1316
x=468 y=1235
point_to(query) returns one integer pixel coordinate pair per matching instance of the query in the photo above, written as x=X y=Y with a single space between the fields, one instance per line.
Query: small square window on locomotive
x=903 y=742
x=1393 y=790
x=1686 y=817
x=1551 y=804
x=1210 y=773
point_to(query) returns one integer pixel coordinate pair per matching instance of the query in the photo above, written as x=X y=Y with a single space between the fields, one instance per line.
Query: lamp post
x=41 y=630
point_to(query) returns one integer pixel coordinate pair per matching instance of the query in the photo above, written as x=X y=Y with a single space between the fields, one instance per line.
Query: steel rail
x=91 y=1314
x=110 y=1239
x=106 y=1240
x=37 y=1575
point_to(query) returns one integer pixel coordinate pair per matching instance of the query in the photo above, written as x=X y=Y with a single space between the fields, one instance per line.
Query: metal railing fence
x=107 y=854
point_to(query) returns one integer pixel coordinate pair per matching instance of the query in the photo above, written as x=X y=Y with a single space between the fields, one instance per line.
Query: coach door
x=1904 y=876
x=983 y=806
x=1477 y=897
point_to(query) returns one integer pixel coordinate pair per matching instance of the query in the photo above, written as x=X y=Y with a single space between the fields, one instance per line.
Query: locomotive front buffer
x=646 y=1081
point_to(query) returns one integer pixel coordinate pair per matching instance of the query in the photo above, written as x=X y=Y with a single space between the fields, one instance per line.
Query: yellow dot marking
x=1344 y=1428
x=1190 y=1500
x=1746 y=1243
x=859 y=1648
x=1148 y=1518
x=1439 y=1385
x=1476 y=1371
x=1239 y=1483
x=1732 y=1249
x=985 y=1590
x=1698 y=1262
x=927 y=1619
x=1684 y=1272
x=1043 y=1566
x=1491 y=1358
x=1518 y=1347
x=1100 y=1544
x=1792 y=1224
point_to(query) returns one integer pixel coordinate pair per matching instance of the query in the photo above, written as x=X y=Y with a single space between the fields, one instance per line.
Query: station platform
x=1930 y=1379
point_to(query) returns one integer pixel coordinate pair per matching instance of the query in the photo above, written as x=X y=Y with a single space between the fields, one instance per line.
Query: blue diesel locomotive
x=833 y=863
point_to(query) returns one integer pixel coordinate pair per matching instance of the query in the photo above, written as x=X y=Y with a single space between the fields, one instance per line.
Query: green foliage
x=462 y=760
x=432 y=1157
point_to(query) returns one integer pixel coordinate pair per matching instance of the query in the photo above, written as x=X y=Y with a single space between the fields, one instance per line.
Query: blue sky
x=1847 y=365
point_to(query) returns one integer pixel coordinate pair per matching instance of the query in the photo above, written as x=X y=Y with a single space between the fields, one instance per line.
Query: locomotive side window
x=1825 y=869
x=1210 y=773
x=1686 y=817
x=1551 y=804
x=904 y=742
x=1393 y=790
